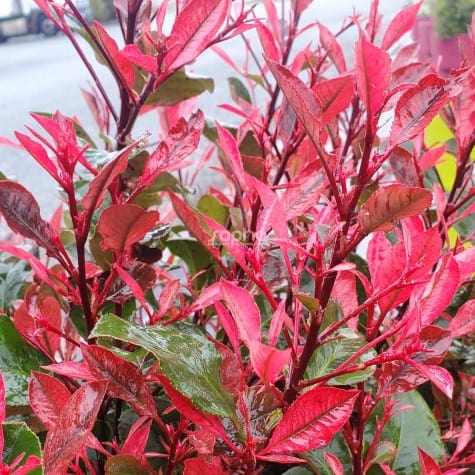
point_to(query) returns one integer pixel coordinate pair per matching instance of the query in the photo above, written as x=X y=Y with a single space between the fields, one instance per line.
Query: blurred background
x=41 y=72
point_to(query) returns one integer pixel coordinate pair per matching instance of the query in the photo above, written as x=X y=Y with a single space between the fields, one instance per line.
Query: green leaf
x=338 y=447
x=412 y=428
x=327 y=357
x=239 y=90
x=187 y=358
x=213 y=208
x=193 y=253
x=178 y=88
x=17 y=360
x=19 y=439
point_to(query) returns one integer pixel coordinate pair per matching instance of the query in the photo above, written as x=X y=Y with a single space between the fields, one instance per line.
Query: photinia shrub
x=311 y=313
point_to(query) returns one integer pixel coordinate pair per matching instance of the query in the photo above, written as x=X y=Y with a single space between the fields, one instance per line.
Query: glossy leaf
x=428 y=465
x=417 y=107
x=193 y=29
x=329 y=356
x=179 y=87
x=22 y=213
x=312 y=421
x=17 y=360
x=74 y=424
x=47 y=396
x=125 y=381
x=186 y=357
x=21 y=443
x=391 y=203
x=121 y=226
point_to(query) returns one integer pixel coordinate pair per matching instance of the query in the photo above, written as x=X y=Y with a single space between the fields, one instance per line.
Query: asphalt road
x=38 y=74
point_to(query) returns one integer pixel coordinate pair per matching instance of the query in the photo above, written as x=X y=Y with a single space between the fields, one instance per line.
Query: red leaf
x=137 y=438
x=463 y=439
x=465 y=110
x=334 y=463
x=390 y=203
x=123 y=67
x=185 y=407
x=181 y=142
x=268 y=361
x=402 y=23
x=48 y=396
x=417 y=107
x=429 y=301
x=268 y=41
x=302 y=99
x=335 y=96
x=311 y=421
x=75 y=421
x=194 y=28
x=100 y=183
x=230 y=148
x=231 y=244
x=22 y=213
x=72 y=369
x=167 y=297
x=194 y=226
x=244 y=310
x=38 y=267
x=464 y=321
x=439 y=376
x=125 y=380
x=122 y=225
x=38 y=152
x=428 y=465
x=373 y=75
x=332 y=47
x=196 y=466
x=228 y=324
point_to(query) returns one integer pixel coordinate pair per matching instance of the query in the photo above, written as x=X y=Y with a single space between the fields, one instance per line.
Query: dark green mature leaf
x=332 y=354
x=20 y=440
x=17 y=360
x=408 y=430
x=179 y=87
x=187 y=358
